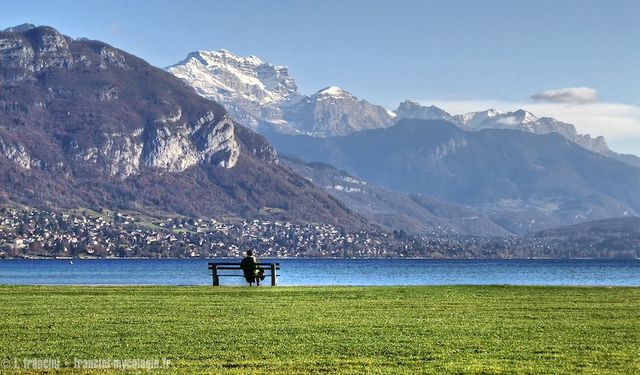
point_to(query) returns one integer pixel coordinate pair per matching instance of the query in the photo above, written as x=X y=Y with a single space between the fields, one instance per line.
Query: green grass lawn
x=484 y=329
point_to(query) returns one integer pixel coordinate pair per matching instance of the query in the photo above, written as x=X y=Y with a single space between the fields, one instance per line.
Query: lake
x=328 y=272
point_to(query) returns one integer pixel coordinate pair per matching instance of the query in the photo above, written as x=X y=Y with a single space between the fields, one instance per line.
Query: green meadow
x=448 y=329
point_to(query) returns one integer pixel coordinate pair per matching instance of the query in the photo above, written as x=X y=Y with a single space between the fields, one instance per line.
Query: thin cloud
x=577 y=95
x=507 y=120
x=115 y=29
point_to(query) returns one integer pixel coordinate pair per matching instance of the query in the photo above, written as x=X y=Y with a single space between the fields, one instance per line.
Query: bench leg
x=274 y=276
x=214 y=274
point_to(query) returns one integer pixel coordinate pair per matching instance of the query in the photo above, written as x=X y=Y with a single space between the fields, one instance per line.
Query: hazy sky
x=460 y=54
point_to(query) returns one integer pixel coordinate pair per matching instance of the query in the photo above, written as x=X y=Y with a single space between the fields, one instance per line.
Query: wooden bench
x=271 y=269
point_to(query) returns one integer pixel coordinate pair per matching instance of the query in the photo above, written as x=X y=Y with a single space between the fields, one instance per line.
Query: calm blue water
x=329 y=272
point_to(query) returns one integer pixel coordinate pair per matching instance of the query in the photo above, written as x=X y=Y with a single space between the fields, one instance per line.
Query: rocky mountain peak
x=219 y=74
x=27 y=53
x=525 y=116
x=334 y=92
x=265 y=96
x=413 y=109
x=19 y=28
x=491 y=112
x=334 y=111
x=519 y=120
x=251 y=90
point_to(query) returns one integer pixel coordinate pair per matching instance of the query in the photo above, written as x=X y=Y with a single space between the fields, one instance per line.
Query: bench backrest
x=236 y=266
x=271 y=267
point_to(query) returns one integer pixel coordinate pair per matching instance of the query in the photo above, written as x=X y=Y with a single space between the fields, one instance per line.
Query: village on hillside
x=110 y=234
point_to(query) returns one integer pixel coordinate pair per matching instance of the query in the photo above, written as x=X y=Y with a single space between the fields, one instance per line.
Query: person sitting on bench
x=251 y=269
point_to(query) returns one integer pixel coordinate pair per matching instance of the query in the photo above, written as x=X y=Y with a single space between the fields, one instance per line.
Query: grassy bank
x=372 y=329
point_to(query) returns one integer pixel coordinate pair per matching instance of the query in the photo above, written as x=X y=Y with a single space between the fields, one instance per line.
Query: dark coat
x=250 y=267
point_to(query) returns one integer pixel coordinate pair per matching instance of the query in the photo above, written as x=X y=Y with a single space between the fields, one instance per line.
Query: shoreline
x=171 y=286
x=303 y=258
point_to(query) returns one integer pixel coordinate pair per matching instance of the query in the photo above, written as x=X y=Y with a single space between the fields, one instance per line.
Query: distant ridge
x=522 y=181
x=520 y=120
x=266 y=98
x=397 y=211
x=611 y=238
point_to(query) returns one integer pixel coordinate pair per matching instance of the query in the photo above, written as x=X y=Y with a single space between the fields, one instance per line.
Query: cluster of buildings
x=31 y=233
x=109 y=234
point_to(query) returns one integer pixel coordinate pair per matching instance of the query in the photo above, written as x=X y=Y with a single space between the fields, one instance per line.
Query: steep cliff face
x=86 y=124
x=38 y=63
x=176 y=148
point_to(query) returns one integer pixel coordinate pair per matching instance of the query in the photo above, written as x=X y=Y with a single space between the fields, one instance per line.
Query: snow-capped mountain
x=265 y=98
x=250 y=89
x=517 y=120
x=526 y=121
x=334 y=111
x=261 y=95
x=411 y=109
x=522 y=181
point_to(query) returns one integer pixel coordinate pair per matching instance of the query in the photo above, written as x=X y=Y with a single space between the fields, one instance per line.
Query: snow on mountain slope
x=334 y=111
x=261 y=95
x=412 y=109
x=265 y=98
x=250 y=89
x=517 y=120
x=217 y=71
x=334 y=92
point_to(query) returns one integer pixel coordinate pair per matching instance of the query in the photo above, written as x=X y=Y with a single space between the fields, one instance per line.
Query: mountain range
x=521 y=172
x=266 y=98
x=395 y=211
x=520 y=120
x=524 y=182
x=84 y=124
